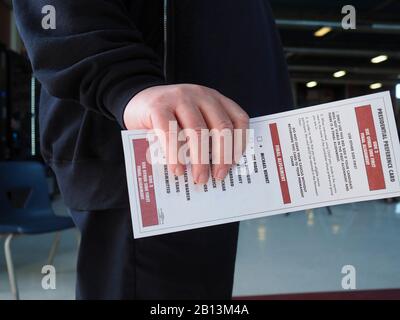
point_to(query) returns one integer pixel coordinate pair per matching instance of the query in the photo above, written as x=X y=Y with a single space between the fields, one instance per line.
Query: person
x=106 y=66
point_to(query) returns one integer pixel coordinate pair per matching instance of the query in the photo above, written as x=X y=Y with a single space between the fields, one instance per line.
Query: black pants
x=195 y=264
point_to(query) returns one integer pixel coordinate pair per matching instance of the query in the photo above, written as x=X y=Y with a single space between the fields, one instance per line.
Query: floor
x=301 y=252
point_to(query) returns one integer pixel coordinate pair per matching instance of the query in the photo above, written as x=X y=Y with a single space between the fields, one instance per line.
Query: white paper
x=330 y=154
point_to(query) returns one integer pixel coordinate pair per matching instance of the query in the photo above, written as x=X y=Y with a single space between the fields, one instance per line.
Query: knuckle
x=205 y=91
x=214 y=92
x=224 y=125
x=196 y=87
x=154 y=108
x=178 y=92
x=242 y=119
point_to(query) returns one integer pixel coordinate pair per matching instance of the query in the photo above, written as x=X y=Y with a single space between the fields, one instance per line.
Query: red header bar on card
x=144 y=174
x=280 y=165
x=370 y=148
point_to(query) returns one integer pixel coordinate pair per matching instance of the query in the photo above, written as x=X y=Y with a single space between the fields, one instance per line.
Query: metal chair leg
x=54 y=247
x=10 y=267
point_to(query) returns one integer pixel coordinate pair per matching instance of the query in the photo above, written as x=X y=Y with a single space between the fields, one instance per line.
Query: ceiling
x=312 y=58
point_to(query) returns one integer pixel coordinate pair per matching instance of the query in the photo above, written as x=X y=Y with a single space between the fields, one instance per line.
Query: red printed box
x=370 y=148
x=280 y=165
x=145 y=181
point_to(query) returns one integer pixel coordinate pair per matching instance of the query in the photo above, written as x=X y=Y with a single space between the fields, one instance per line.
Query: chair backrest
x=23 y=187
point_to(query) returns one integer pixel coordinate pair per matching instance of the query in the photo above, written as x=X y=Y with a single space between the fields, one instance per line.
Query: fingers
x=191 y=119
x=227 y=124
x=203 y=114
x=240 y=121
x=221 y=132
x=167 y=130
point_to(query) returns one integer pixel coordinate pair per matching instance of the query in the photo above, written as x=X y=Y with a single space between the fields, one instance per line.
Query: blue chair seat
x=25 y=206
x=38 y=223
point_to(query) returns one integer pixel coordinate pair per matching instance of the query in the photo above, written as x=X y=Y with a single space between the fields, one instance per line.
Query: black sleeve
x=95 y=55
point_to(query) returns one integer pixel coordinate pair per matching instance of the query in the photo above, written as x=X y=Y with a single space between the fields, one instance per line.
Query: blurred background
x=288 y=254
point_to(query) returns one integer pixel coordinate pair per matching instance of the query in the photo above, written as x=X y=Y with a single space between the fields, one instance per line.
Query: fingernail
x=221 y=174
x=202 y=178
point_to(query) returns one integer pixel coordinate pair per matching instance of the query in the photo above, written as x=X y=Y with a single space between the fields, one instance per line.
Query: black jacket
x=103 y=52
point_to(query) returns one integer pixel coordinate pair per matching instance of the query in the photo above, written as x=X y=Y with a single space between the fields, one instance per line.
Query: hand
x=192 y=107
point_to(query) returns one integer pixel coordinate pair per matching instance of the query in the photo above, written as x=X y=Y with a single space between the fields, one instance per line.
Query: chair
x=25 y=209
